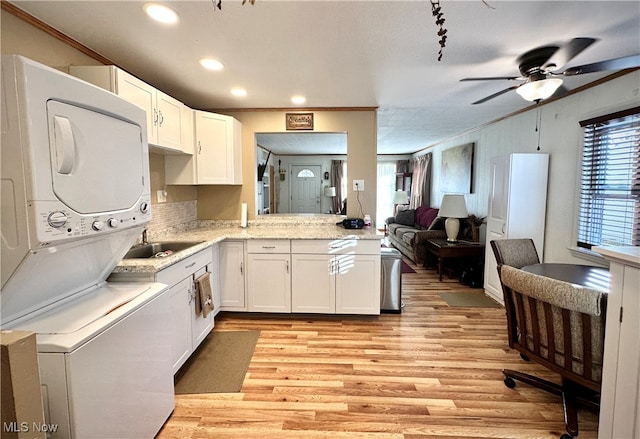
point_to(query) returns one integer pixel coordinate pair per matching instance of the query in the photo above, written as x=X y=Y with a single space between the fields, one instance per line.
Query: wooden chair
x=515 y=252
x=560 y=326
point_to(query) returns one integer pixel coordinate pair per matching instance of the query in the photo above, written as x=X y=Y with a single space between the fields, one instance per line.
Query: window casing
x=609 y=205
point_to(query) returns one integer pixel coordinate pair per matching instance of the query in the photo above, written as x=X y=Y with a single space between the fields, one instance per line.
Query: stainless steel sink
x=158 y=249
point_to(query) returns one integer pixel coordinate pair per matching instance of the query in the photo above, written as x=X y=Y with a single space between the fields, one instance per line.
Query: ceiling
x=348 y=54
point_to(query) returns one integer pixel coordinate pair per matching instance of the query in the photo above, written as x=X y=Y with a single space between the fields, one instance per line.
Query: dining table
x=588 y=276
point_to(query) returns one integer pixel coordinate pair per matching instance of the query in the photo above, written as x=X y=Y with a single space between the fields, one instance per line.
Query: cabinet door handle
x=241 y=267
x=199 y=147
x=155 y=116
x=161 y=118
x=287 y=267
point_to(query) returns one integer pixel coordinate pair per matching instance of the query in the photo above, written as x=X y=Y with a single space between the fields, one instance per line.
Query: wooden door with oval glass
x=306 y=182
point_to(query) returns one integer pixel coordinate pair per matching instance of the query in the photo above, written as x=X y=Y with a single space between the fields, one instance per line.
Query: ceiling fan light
x=539 y=90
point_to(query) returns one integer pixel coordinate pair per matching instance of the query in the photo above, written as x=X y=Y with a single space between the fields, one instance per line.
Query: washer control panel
x=55 y=222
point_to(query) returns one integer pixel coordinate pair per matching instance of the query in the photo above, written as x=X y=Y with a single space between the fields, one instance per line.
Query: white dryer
x=75 y=196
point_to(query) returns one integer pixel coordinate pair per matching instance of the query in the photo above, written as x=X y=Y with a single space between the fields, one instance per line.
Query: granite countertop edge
x=212 y=234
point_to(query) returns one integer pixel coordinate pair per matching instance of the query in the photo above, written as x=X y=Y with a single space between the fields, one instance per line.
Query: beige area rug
x=477 y=300
x=219 y=365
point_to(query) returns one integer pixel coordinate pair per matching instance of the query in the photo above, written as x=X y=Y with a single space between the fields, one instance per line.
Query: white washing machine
x=75 y=196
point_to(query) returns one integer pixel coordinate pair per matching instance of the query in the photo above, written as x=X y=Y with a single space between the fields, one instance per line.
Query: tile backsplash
x=166 y=216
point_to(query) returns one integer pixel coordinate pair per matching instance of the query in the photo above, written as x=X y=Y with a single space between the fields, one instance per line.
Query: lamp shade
x=400 y=197
x=538 y=90
x=453 y=206
x=329 y=191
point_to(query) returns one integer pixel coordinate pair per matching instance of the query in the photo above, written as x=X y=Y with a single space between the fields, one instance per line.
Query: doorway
x=306 y=183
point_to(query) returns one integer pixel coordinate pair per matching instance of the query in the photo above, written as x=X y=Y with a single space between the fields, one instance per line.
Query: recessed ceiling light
x=298 y=100
x=211 y=64
x=239 y=92
x=161 y=13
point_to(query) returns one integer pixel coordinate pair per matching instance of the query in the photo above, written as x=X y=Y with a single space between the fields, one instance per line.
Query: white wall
x=561 y=137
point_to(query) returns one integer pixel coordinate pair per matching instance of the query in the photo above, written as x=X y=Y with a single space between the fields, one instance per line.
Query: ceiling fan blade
x=566 y=52
x=494 y=78
x=483 y=100
x=625 y=62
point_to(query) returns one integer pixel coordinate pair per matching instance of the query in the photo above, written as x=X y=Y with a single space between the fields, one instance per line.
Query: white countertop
x=626 y=255
x=274 y=227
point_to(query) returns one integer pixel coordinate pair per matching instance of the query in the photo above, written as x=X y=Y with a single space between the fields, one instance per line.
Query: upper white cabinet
x=217 y=155
x=169 y=126
x=517 y=207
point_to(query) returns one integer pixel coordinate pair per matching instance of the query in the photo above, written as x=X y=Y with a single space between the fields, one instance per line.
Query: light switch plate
x=162 y=196
x=358 y=185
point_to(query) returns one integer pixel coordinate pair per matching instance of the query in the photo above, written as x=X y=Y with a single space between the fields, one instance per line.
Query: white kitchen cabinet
x=217 y=153
x=215 y=286
x=357 y=281
x=336 y=276
x=167 y=128
x=232 y=276
x=517 y=207
x=218 y=148
x=269 y=275
x=181 y=339
x=620 y=400
x=189 y=329
x=313 y=283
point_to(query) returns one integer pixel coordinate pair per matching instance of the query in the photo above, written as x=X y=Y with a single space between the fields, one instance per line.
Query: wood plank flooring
x=431 y=372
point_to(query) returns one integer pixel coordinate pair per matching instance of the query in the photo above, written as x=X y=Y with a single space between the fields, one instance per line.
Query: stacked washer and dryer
x=75 y=197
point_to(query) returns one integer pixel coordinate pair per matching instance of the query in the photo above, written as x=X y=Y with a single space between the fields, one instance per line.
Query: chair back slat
x=566 y=334
x=587 y=345
x=551 y=339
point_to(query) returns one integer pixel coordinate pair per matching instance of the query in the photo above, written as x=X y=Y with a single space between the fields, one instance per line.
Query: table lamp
x=452 y=208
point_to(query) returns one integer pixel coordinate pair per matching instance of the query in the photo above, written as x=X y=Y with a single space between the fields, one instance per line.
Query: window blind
x=609 y=212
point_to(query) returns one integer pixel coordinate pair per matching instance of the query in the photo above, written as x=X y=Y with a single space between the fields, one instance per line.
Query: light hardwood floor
x=431 y=372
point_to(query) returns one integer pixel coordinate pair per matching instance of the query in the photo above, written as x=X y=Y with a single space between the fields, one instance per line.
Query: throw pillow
x=425 y=216
x=406 y=217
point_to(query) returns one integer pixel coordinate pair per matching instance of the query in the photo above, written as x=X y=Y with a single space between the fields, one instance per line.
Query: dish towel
x=204 y=298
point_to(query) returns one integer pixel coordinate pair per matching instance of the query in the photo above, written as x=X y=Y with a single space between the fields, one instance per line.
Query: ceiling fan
x=540 y=68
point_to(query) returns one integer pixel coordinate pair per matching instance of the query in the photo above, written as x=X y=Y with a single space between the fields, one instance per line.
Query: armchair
x=561 y=327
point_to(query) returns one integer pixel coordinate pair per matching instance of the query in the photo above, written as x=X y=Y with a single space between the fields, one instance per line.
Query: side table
x=443 y=249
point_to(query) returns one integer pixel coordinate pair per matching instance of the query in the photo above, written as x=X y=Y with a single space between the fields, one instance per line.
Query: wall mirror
x=294 y=171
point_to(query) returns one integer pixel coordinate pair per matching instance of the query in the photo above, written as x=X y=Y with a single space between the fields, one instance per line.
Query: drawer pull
x=190 y=265
x=268 y=247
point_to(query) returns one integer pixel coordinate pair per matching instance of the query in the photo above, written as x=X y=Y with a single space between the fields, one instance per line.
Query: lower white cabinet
x=232 y=276
x=269 y=275
x=358 y=284
x=620 y=400
x=335 y=276
x=313 y=283
x=188 y=328
x=301 y=276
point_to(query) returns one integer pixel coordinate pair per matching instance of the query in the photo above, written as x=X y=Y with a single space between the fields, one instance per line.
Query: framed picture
x=456 y=169
x=299 y=121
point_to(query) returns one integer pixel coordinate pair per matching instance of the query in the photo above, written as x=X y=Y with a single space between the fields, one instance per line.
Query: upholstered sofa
x=409 y=230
